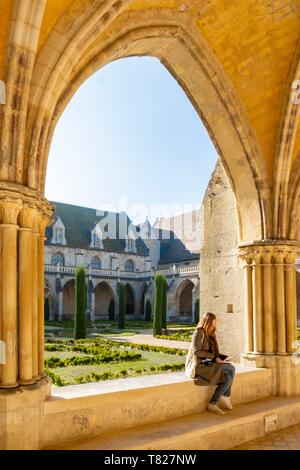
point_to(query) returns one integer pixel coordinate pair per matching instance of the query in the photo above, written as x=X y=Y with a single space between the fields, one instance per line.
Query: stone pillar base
x=285 y=371
x=21 y=416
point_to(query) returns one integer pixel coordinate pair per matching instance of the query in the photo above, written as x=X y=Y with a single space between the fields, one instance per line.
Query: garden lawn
x=148 y=364
x=114 y=360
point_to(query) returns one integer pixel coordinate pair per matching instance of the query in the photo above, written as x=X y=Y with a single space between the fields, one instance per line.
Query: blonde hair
x=206 y=323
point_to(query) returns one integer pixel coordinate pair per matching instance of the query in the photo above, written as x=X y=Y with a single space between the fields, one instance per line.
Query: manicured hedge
x=100 y=358
x=164 y=303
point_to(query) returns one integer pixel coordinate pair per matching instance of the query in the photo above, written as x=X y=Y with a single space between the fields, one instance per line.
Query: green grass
x=146 y=364
x=145 y=360
x=62 y=354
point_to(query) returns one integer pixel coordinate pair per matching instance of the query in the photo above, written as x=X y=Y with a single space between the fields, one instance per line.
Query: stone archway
x=77 y=45
x=68 y=309
x=129 y=300
x=248 y=112
x=103 y=296
x=143 y=300
x=49 y=301
x=183 y=57
x=184 y=299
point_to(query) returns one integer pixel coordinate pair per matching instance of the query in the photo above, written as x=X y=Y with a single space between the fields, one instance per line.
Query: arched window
x=129 y=266
x=58 y=260
x=96 y=263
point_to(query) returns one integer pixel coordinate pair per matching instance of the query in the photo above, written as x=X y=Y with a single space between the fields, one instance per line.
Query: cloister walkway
x=287 y=439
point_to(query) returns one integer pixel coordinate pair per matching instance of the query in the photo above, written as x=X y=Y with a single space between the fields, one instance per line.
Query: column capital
x=9 y=210
x=288 y=250
x=26 y=216
x=44 y=220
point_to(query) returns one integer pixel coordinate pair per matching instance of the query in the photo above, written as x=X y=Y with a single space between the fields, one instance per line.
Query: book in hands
x=228 y=359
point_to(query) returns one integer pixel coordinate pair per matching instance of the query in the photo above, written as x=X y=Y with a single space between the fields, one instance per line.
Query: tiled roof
x=79 y=221
x=172 y=250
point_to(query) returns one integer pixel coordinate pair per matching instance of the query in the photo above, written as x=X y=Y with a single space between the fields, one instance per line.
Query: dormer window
x=96 y=237
x=58 y=233
x=131 y=242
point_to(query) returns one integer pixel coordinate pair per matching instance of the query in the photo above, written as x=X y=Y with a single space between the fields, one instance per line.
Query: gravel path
x=149 y=339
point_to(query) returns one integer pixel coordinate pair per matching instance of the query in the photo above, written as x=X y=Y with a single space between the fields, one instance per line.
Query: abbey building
x=113 y=250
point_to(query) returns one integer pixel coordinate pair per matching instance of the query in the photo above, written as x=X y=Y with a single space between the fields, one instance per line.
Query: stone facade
x=71 y=242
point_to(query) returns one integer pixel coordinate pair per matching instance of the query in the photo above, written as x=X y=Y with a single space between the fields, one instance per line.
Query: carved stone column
x=10 y=209
x=25 y=296
x=270 y=305
x=23 y=218
x=248 y=302
x=44 y=221
x=35 y=287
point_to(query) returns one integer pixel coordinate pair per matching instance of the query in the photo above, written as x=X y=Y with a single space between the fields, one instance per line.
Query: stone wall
x=221 y=279
x=119 y=259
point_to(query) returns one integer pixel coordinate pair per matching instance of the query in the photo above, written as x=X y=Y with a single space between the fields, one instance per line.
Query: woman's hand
x=219 y=361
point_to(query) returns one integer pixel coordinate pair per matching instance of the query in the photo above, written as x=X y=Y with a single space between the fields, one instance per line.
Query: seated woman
x=211 y=368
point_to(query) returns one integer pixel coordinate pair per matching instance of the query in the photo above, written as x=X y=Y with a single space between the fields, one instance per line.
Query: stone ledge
x=202 y=432
x=94 y=409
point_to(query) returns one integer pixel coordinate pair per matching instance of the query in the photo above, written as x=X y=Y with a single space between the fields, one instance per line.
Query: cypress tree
x=122 y=306
x=80 y=304
x=158 y=304
x=164 y=303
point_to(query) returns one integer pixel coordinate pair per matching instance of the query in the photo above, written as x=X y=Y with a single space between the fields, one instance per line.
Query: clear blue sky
x=129 y=137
